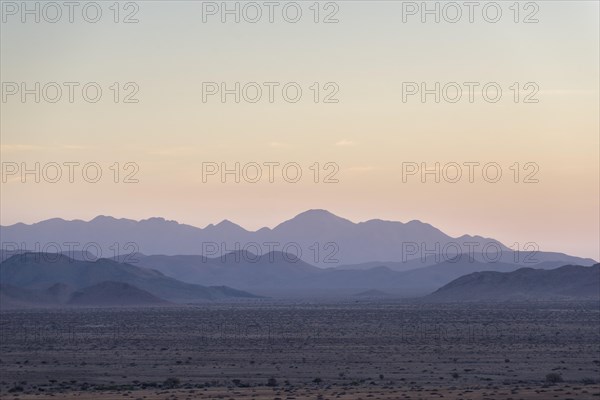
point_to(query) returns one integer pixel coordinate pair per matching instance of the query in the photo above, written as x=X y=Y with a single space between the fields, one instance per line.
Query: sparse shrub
x=317 y=380
x=455 y=375
x=272 y=382
x=15 y=389
x=171 y=382
x=553 y=377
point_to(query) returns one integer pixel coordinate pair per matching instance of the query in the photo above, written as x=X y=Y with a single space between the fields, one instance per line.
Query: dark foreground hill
x=46 y=276
x=564 y=283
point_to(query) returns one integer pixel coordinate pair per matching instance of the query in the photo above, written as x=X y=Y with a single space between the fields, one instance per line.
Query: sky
x=360 y=132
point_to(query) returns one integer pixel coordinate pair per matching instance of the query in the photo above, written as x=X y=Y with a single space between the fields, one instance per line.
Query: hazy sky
x=369 y=133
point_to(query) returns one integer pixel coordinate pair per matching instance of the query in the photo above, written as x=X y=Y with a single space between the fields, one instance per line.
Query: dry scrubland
x=275 y=350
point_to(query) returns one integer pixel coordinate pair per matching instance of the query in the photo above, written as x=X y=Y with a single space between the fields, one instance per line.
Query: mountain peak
x=318 y=215
x=102 y=218
x=226 y=225
x=314 y=219
x=316 y=212
x=157 y=219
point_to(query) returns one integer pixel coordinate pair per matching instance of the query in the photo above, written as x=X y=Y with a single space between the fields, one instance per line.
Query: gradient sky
x=369 y=133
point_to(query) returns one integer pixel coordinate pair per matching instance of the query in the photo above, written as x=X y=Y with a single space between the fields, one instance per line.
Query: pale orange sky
x=369 y=133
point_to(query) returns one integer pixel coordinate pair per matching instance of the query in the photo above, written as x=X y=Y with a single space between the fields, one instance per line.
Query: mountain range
x=315 y=254
x=318 y=237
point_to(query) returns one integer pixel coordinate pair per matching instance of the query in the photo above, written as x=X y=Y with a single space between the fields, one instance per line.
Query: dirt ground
x=293 y=350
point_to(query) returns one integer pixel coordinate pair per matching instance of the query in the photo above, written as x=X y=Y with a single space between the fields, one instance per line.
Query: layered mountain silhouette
x=316 y=236
x=280 y=274
x=570 y=282
x=156 y=261
x=40 y=280
x=57 y=279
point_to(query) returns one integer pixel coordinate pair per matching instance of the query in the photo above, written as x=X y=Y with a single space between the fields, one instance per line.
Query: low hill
x=16 y=297
x=564 y=283
x=38 y=272
x=114 y=294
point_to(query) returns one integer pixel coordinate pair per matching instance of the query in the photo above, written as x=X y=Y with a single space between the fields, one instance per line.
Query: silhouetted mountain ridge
x=323 y=239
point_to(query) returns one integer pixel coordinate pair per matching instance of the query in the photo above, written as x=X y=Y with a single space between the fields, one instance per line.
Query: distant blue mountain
x=316 y=236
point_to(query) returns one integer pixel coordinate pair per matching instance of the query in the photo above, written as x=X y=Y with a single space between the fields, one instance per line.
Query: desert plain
x=293 y=349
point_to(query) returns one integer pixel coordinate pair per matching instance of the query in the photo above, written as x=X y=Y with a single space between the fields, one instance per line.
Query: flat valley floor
x=304 y=350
